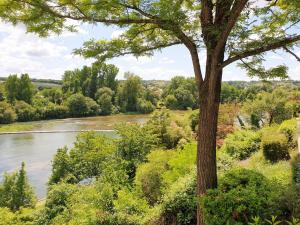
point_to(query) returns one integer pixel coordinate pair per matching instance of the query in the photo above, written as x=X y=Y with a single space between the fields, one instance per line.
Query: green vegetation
x=148 y=176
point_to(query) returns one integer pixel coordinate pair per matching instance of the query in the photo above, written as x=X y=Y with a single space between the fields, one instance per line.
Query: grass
x=281 y=171
x=16 y=127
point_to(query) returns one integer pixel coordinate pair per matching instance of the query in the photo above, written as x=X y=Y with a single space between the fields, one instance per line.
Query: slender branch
x=265 y=48
x=292 y=53
x=235 y=12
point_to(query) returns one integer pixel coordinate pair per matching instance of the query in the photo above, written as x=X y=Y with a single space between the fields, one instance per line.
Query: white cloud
x=21 y=52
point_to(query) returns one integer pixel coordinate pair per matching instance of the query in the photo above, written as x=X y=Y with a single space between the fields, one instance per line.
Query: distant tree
x=25 y=112
x=229 y=93
x=129 y=92
x=2 y=92
x=268 y=108
x=26 y=89
x=80 y=105
x=104 y=99
x=54 y=94
x=12 y=87
x=15 y=191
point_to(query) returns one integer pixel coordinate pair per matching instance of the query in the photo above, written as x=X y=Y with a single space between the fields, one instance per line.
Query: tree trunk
x=209 y=96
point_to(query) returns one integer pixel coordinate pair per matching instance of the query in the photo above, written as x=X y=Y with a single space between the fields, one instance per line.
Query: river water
x=38 y=149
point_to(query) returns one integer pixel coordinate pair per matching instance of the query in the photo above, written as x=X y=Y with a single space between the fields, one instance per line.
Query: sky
x=48 y=58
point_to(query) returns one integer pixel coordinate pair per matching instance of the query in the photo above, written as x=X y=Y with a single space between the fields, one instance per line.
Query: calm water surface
x=37 y=150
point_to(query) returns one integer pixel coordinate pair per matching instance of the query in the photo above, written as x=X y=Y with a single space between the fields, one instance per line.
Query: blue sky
x=50 y=57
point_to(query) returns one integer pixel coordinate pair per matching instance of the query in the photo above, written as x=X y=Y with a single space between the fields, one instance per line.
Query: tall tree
x=226 y=31
x=11 y=88
x=25 y=89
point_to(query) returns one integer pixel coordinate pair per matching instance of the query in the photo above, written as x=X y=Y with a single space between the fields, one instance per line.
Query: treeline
x=94 y=90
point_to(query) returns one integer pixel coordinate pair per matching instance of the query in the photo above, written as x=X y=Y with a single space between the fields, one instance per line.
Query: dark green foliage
x=274 y=146
x=80 y=105
x=194 y=118
x=7 y=113
x=54 y=95
x=144 y=106
x=85 y=160
x=61 y=167
x=229 y=93
x=53 y=111
x=56 y=202
x=241 y=195
x=170 y=133
x=104 y=97
x=25 y=112
x=181 y=93
x=129 y=92
x=20 y=89
x=241 y=144
x=15 y=191
x=134 y=144
x=180 y=202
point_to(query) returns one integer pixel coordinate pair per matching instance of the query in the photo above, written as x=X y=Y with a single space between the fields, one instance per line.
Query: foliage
x=134 y=144
x=269 y=108
x=229 y=93
x=7 y=113
x=15 y=191
x=149 y=176
x=104 y=97
x=25 y=112
x=241 y=195
x=288 y=128
x=20 y=89
x=274 y=145
x=144 y=106
x=241 y=144
x=181 y=93
x=82 y=106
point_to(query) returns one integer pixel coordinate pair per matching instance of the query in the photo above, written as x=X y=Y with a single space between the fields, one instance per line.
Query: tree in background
x=129 y=91
x=104 y=97
x=15 y=191
x=7 y=113
x=19 y=88
x=11 y=88
x=268 y=108
x=225 y=31
x=181 y=93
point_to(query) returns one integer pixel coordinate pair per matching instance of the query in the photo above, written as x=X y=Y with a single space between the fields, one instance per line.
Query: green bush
x=288 y=128
x=241 y=195
x=53 y=111
x=194 y=119
x=7 y=113
x=274 y=146
x=80 y=105
x=241 y=144
x=179 y=204
x=25 y=112
x=171 y=102
x=149 y=176
x=144 y=106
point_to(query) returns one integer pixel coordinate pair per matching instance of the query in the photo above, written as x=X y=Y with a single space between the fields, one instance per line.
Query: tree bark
x=209 y=95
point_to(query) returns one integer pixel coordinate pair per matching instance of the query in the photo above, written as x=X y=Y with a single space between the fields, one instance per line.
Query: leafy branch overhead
x=244 y=28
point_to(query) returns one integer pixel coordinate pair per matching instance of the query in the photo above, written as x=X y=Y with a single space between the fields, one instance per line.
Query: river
x=38 y=149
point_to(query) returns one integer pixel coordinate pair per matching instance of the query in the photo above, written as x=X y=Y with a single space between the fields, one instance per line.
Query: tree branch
x=234 y=13
x=265 y=48
x=292 y=53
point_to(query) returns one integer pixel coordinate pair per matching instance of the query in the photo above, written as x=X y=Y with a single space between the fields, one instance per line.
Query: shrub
x=149 y=180
x=171 y=102
x=274 y=146
x=194 y=119
x=241 y=144
x=80 y=105
x=144 y=106
x=25 y=112
x=288 y=128
x=241 y=195
x=179 y=205
x=53 y=111
x=7 y=113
